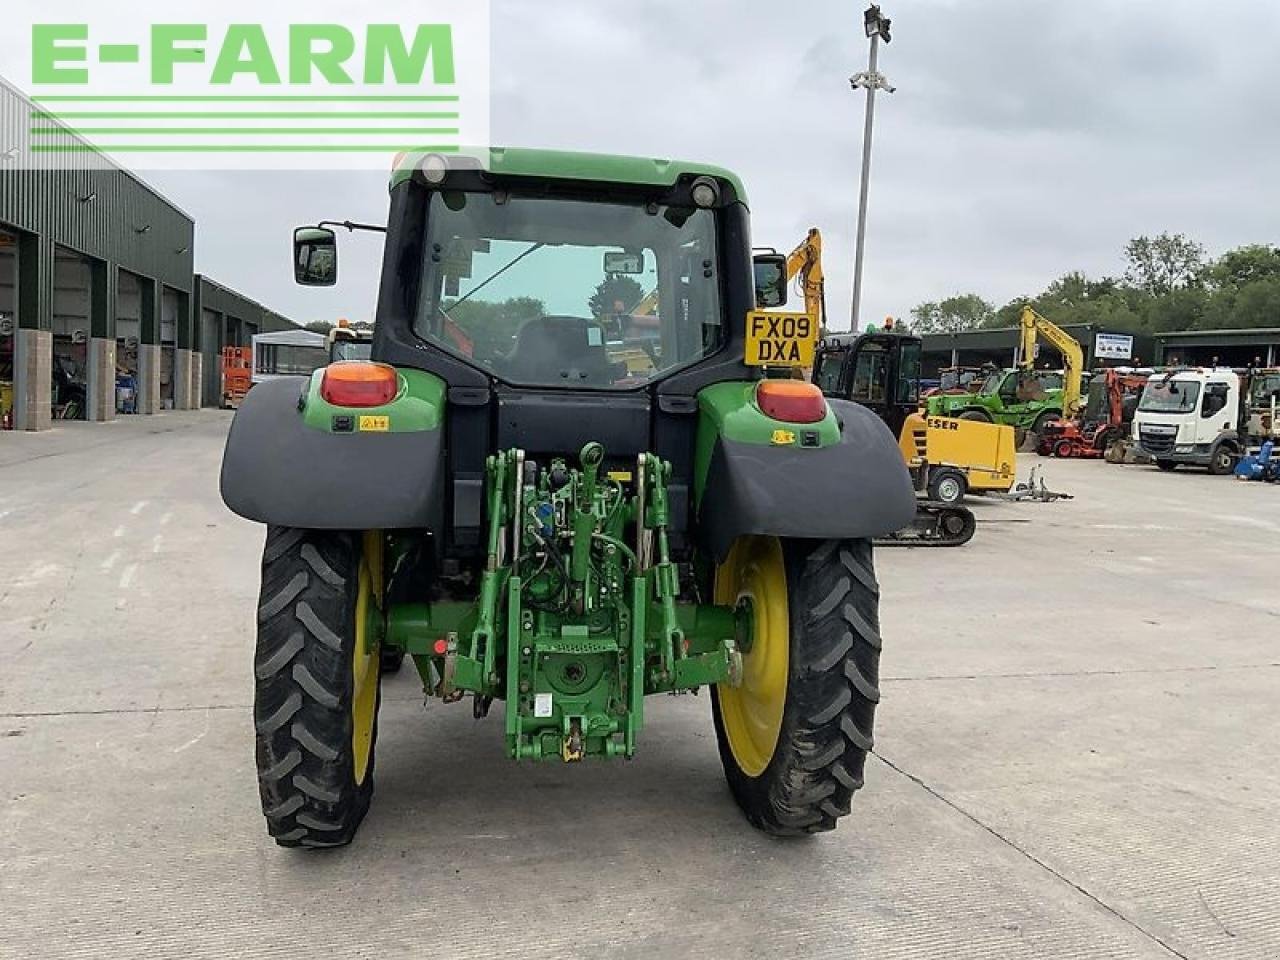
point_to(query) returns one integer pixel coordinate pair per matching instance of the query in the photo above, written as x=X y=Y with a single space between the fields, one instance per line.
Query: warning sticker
x=542 y=704
x=375 y=424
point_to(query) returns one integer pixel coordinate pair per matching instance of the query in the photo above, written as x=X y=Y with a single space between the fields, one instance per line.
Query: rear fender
x=842 y=478
x=293 y=459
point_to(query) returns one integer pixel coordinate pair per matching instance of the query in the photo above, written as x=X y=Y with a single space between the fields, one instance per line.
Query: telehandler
x=534 y=522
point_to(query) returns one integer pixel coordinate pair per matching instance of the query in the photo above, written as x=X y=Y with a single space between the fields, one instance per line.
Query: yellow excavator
x=1035 y=325
x=881 y=371
x=804 y=267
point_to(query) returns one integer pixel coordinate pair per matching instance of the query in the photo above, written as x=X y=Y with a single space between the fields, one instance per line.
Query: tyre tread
x=302 y=703
x=832 y=693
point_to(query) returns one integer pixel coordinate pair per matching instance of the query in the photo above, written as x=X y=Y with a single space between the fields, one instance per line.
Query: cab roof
x=570 y=165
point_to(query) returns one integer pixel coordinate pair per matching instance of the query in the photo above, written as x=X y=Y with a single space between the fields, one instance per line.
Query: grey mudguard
x=857 y=488
x=276 y=470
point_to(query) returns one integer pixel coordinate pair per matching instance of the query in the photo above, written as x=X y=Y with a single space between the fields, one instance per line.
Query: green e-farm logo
x=283 y=93
x=316 y=51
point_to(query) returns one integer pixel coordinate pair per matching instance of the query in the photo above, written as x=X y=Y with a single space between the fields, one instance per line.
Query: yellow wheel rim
x=365 y=661
x=754 y=575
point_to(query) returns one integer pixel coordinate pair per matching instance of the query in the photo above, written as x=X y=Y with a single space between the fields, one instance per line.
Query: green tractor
x=499 y=495
x=1023 y=399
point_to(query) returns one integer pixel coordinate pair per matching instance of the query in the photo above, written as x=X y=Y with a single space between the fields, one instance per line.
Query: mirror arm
x=351 y=227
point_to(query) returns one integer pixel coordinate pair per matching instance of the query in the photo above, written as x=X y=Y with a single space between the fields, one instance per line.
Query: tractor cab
x=560 y=310
x=350 y=342
x=880 y=371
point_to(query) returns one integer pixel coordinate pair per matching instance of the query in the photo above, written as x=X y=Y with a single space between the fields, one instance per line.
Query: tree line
x=1168 y=284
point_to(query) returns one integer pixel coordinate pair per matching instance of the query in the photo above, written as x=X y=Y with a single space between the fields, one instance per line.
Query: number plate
x=780 y=339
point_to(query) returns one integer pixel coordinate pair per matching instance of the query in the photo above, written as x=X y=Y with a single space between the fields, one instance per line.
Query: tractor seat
x=560 y=350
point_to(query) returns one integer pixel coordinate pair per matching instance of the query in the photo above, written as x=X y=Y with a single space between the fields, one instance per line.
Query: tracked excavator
x=892 y=392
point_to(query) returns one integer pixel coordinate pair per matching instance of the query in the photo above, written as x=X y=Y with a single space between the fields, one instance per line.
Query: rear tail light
x=792 y=401
x=358 y=383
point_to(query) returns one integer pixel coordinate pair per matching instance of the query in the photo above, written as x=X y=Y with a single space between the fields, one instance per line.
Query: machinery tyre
x=794 y=735
x=1045 y=418
x=316 y=700
x=980 y=415
x=1222 y=461
x=1168 y=466
x=947 y=486
x=1062 y=448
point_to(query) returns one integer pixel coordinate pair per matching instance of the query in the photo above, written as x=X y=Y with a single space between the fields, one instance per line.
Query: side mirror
x=771 y=280
x=315 y=257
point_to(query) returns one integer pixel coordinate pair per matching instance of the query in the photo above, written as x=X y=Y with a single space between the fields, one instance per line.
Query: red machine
x=1106 y=417
x=237 y=375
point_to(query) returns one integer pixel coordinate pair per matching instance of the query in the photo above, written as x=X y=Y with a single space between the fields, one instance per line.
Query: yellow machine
x=1034 y=325
x=804 y=265
x=985 y=454
x=881 y=370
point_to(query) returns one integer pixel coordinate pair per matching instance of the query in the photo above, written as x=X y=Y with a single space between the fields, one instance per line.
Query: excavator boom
x=804 y=265
x=1034 y=325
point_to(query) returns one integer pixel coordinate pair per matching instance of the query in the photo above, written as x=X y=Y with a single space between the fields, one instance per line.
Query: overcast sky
x=1027 y=138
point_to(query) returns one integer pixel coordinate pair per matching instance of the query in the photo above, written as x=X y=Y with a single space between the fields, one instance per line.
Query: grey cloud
x=1027 y=137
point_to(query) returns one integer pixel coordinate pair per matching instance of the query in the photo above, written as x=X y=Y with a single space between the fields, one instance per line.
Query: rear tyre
x=795 y=734
x=1168 y=466
x=947 y=486
x=980 y=415
x=317 y=671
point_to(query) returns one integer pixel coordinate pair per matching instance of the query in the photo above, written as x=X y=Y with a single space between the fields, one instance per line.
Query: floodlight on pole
x=877 y=29
x=875 y=23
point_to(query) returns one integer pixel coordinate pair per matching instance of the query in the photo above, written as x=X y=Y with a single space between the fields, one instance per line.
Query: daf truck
x=1191 y=416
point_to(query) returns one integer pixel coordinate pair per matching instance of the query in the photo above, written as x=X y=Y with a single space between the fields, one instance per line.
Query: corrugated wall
x=231 y=319
x=106 y=212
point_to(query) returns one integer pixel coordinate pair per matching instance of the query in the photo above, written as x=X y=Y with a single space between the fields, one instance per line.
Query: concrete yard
x=1076 y=751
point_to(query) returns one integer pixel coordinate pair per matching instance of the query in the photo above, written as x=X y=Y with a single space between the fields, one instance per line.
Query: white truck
x=1191 y=416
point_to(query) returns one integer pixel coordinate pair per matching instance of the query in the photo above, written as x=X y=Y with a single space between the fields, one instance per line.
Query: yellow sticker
x=782 y=437
x=375 y=424
x=622 y=476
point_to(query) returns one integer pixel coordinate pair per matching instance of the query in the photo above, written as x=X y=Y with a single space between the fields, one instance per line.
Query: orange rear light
x=792 y=401
x=359 y=383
